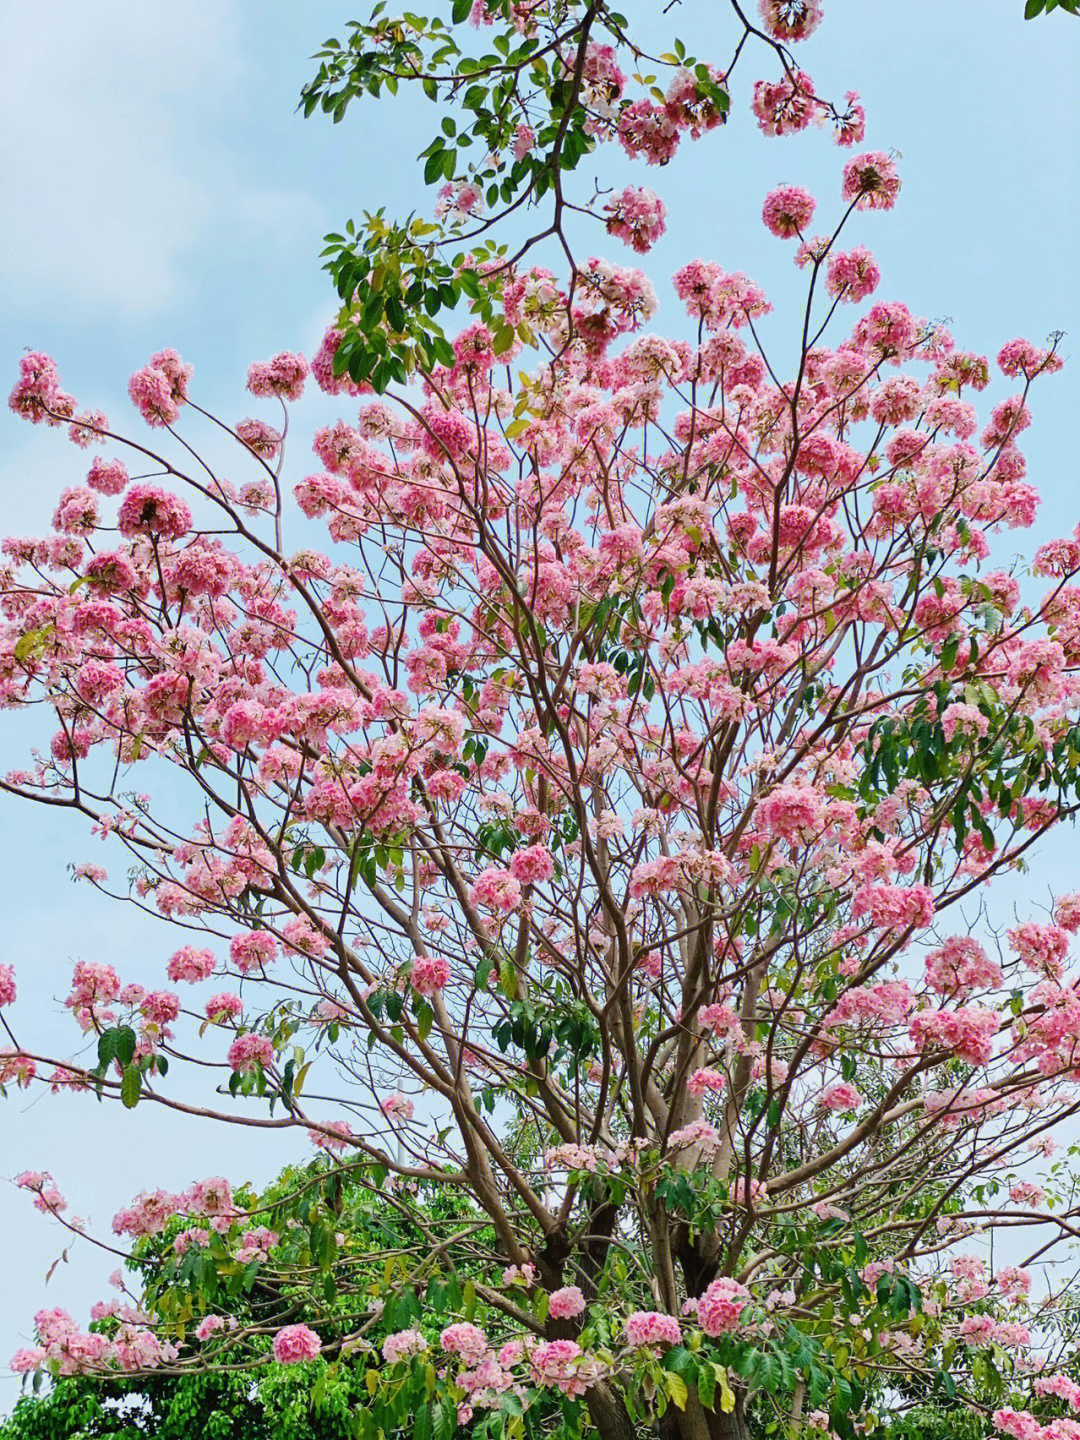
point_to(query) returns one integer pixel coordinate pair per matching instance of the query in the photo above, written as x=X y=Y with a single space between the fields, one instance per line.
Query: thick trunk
x=695 y=1423
x=608 y=1413
x=730 y=1427
x=612 y=1421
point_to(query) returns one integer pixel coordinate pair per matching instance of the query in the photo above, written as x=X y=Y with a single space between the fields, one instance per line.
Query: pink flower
x=648 y=1327
x=560 y=1363
x=790 y=20
x=788 y=211
x=191 y=965
x=524 y=140
x=1025 y=1193
x=792 y=812
x=249 y=1052
x=960 y=966
x=702 y=1080
x=334 y=1136
x=252 y=949
x=645 y=129
x=467 y=1342
x=840 y=1096
x=160 y=388
x=150 y=510
x=7 y=985
x=284 y=375
x=160 y=1007
x=636 y=216
x=851 y=275
x=429 y=974
x=496 y=889
x=295 y=1343
x=721 y=1305
x=402 y=1345
x=108 y=477
x=1041 y=947
x=1067 y=913
x=533 y=865
x=210 y=1197
x=969 y=1032
x=566 y=1303
x=894 y=906
x=223 y=1007
x=397 y=1107
x=262 y=439
x=151 y=394
x=871 y=181
x=786 y=106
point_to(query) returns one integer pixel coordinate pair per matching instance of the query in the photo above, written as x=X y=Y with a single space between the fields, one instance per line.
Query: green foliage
x=394 y=279
x=1032 y=8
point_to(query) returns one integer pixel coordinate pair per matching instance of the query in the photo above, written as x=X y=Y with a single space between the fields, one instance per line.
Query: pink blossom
x=637 y=216
x=150 y=510
x=788 y=211
x=429 y=974
x=108 y=477
x=223 y=1007
x=496 y=889
x=252 y=950
x=467 y=1342
x=871 y=181
x=648 y=1327
x=191 y=965
x=1041 y=947
x=284 y=375
x=560 y=1363
x=720 y=1307
x=397 y=1107
x=705 y=1080
x=840 y=1096
x=1067 y=913
x=894 y=906
x=790 y=20
x=565 y=1303
x=250 y=1052
x=533 y=865
x=403 y=1345
x=294 y=1344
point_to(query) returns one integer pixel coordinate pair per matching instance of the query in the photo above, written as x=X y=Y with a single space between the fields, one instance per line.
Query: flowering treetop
x=585 y=770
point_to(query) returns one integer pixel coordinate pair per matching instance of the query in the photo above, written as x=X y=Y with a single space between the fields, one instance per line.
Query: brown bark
x=730 y=1427
x=608 y=1413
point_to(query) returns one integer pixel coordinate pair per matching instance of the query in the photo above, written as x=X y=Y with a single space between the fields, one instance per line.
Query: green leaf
x=131 y=1087
x=676 y=1389
x=706 y=1386
x=422 y=1426
x=424 y=1018
x=106 y=1048
x=445 y=1420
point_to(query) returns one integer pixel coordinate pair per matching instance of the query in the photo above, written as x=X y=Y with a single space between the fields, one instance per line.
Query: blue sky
x=159 y=188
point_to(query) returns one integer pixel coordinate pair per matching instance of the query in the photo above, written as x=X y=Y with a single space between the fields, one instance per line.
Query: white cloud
x=115 y=172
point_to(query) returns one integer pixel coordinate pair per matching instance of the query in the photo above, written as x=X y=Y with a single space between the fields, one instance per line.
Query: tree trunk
x=608 y=1413
x=730 y=1427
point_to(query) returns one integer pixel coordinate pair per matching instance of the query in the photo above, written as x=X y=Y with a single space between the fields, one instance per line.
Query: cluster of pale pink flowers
x=651 y=1329
x=67 y=1350
x=293 y=1344
x=720 y=1308
x=636 y=215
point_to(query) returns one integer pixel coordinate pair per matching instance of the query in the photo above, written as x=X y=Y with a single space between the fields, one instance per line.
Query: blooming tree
x=572 y=801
